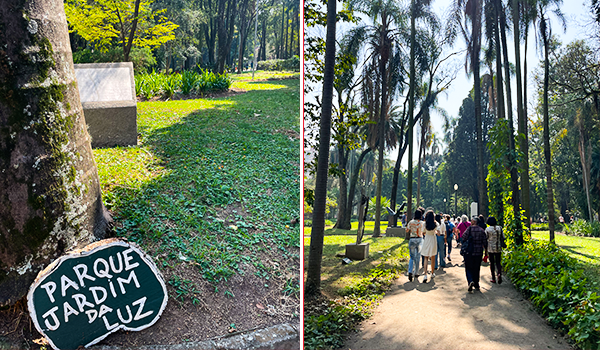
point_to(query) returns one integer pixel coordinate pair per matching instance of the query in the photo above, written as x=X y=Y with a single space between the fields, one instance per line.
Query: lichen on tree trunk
x=50 y=199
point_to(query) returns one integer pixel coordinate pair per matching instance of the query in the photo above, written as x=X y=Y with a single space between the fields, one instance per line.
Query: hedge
x=292 y=64
x=556 y=285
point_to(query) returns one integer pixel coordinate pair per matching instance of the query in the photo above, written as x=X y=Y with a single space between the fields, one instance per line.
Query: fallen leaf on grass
x=260 y=306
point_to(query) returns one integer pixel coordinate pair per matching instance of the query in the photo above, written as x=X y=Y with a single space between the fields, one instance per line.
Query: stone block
x=107 y=94
x=357 y=251
x=395 y=232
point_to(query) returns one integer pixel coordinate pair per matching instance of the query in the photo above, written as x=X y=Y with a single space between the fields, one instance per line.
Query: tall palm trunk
x=419 y=167
x=383 y=59
x=476 y=32
x=547 y=152
x=525 y=195
x=343 y=221
x=313 y=278
x=514 y=178
x=411 y=111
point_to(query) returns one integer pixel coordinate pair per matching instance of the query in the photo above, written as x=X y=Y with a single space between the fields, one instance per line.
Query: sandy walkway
x=441 y=314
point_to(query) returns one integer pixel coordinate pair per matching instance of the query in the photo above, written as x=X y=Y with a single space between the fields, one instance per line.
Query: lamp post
x=445 y=206
x=455 y=189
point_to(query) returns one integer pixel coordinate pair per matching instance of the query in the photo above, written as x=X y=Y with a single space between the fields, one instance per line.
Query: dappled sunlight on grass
x=126 y=167
x=586 y=249
x=258 y=85
x=334 y=275
x=262 y=75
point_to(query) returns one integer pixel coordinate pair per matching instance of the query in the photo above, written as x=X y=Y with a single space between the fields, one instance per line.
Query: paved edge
x=282 y=336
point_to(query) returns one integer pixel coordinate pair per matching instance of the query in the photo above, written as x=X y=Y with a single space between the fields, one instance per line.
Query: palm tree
x=313 y=278
x=381 y=37
x=426 y=139
x=545 y=34
x=50 y=197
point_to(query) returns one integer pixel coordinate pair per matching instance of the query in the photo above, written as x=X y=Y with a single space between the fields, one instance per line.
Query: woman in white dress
x=429 y=249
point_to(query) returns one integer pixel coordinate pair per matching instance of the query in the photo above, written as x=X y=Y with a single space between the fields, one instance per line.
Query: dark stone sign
x=88 y=294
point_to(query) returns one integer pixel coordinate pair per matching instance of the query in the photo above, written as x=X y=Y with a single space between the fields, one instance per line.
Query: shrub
x=558 y=288
x=545 y=227
x=583 y=228
x=292 y=64
x=149 y=85
x=307 y=223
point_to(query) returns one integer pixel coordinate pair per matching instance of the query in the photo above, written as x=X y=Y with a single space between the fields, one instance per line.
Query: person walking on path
x=449 y=235
x=476 y=241
x=415 y=229
x=440 y=258
x=462 y=227
x=495 y=239
x=429 y=249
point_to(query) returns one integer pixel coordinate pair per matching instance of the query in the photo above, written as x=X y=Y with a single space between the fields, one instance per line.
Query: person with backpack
x=473 y=247
x=495 y=239
x=449 y=235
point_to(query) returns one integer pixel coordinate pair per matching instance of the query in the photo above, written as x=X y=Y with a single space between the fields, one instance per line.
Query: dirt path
x=441 y=314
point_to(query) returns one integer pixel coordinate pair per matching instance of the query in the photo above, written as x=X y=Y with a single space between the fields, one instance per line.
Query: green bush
x=558 y=288
x=545 y=227
x=149 y=85
x=307 y=223
x=581 y=227
x=292 y=64
x=142 y=58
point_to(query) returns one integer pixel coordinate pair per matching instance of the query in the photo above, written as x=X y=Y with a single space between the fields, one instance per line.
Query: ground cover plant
x=557 y=285
x=211 y=192
x=350 y=292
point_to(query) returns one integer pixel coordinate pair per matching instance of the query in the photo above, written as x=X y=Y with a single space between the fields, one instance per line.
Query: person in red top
x=462 y=227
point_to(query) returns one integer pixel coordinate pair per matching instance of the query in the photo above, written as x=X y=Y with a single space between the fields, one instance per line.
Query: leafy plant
x=558 y=288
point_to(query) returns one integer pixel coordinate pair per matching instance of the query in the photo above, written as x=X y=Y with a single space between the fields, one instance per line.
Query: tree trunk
x=547 y=151
x=313 y=279
x=50 y=199
x=353 y=181
x=342 y=222
x=384 y=55
x=525 y=196
x=263 y=45
x=419 y=167
x=243 y=35
x=476 y=32
x=127 y=48
x=411 y=111
x=281 y=47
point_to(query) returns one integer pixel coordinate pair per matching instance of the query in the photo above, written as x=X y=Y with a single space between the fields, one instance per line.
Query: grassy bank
x=210 y=191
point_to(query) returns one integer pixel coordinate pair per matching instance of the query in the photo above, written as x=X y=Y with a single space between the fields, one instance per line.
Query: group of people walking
x=430 y=243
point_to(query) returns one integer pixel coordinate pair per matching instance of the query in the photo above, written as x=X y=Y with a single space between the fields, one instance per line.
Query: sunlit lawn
x=334 y=275
x=262 y=75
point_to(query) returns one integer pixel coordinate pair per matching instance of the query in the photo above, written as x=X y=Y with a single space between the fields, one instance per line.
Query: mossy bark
x=50 y=199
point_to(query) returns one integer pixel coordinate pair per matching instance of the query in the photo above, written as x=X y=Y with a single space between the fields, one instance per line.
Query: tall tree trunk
x=281 y=47
x=353 y=181
x=514 y=177
x=499 y=88
x=50 y=198
x=411 y=111
x=263 y=40
x=313 y=278
x=384 y=56
x=525 y=194
x=521 y=118
x=243 y=34
x=547 y=151
x=476 y=32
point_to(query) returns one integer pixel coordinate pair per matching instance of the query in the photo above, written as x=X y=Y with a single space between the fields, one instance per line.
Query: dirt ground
x=442 y=314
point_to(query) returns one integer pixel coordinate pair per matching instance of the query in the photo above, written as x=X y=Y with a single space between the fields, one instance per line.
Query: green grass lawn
x=392 y=251
x=213 y=184
x=584 y=249
x=263 y=75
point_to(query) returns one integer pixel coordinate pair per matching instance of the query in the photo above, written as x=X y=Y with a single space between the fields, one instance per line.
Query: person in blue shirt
x=449 y=234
